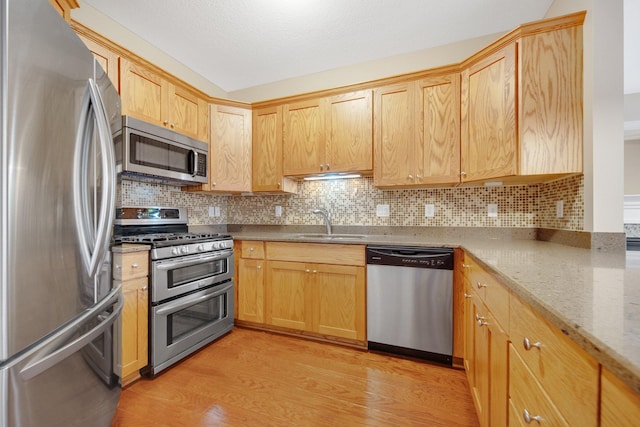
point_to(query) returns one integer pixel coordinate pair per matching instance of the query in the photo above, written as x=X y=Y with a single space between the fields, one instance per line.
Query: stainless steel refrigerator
x=59 y=315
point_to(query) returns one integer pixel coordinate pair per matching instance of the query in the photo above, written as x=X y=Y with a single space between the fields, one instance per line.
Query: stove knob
x=200 y=248
x=175 y=251
x=184 y=250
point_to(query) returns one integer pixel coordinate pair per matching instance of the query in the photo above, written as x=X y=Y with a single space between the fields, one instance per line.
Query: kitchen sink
x=323 y=236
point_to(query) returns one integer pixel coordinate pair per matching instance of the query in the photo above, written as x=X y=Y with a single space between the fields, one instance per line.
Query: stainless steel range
x=191 y=281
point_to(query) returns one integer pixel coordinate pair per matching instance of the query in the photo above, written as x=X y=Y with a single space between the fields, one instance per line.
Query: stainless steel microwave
x=147 y=150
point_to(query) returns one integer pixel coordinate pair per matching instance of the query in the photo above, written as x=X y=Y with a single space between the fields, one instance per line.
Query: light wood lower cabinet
x=620 y=406
x=279 y=286
x=132 y=269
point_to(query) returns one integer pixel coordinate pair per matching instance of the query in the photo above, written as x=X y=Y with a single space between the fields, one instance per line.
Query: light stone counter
x=592 y=296
x=130 y=247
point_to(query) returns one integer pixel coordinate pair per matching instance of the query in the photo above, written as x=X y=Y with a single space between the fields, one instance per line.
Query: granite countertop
x=592 y=296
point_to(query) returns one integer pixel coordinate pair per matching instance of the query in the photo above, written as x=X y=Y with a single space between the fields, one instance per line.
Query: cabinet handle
x=259 y=267
x=463 y=173
x=410 y=176
x=173 y=125
x=118 y=267
x=144 y=288
x=528 y=417
x=466 y=295
x=466 y=266
x=328 y=166
x=315 y=271
x=213 y=184
x=418 y=176
x=321 y=166
x=250 y=249
x=134 y=265
x=481 y=285
x=307 y=270
x=528 y=344
x=480 y=320
x=166 y=122
x=278 y=184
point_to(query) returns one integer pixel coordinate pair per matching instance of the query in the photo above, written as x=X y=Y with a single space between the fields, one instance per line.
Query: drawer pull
x=307 y=270
x=259 y=267
x=528 y=417
x=466 y=266
x=481 y=285
x=144 y=288
x=250 y=249
x=466 y=295
x=134 y=265
x=481 y=320
x=528 y=344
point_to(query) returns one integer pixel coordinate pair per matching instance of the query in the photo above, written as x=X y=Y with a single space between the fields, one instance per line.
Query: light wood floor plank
x=253 y=378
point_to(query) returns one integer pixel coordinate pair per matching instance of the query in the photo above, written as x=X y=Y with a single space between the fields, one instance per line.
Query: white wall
x=107 y=27
x=603 y=111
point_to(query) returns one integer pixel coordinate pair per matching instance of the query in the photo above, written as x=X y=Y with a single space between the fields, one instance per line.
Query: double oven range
x=191 y=289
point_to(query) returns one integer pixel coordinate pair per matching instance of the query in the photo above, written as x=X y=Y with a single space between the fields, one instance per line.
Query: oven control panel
x=191 y=249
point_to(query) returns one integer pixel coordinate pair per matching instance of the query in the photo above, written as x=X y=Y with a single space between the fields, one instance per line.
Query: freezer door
x=57 y=383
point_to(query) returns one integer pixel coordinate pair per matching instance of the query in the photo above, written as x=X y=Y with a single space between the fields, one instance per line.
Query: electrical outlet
x=278 y=211
x=212 y=211
x=382 y=210
x=492 y=210
x=429 y=211
x=559 y=209
x=216 y=211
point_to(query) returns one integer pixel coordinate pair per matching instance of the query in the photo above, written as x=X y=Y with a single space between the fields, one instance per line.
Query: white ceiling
x=238 y=44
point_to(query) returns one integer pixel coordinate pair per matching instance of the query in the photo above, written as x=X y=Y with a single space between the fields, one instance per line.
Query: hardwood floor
x=253 y=378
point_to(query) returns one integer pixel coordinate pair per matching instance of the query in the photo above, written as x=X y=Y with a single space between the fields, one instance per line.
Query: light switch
x=559 y=209
x=492 y=210
x=212 y=211
x=216 y=211
x=278 y=211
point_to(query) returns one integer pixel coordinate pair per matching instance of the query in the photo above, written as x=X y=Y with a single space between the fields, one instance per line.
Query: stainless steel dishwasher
x=410 y=301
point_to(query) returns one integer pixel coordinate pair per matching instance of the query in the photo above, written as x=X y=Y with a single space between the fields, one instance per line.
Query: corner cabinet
x=149 y=96
x=131 y=267
x=417 y=132
x=522 y=106
x=267 y=152
x=326 y=135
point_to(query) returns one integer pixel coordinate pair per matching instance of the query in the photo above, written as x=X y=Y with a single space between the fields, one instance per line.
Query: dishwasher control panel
x=410 y=256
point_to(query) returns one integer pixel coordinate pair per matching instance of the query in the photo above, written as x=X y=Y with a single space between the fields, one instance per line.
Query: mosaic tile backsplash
x=354 y=202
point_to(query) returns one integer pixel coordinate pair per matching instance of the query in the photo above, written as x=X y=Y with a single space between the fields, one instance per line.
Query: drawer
x=252 y=249
x=130 y=265
x=319 y=253
x=566 y=372
x=492 y=293
x=527 y=395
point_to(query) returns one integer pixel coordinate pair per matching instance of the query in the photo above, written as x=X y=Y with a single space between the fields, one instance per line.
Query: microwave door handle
x=181 y=303
x=195 y=163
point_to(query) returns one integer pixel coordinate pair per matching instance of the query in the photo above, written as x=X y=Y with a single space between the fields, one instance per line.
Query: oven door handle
x=168 y=265
x=185 y=302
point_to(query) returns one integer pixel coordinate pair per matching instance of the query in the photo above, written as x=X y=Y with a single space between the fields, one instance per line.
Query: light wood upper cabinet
x=332 y=134
x=148 y=96
x=230 y=149
x=267 y=152
x=489 y=127
x=550 y=90
x=349 y=132
x=394 y=132
x=108 y=60
x=417 y=133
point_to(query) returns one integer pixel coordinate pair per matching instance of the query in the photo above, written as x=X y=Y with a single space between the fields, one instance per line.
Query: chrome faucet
x=326 y=215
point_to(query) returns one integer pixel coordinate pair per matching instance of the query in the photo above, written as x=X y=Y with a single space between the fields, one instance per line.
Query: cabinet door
x=350 y=132
x=288 y=304
x=134 y=326
x=230 y=149
x=267 y=149
x=108 y=60
x=304 y=138
x=393 y=135
x=338 y=293
x=438 y=147
x=469 y=328
x=185 y=112
x=481 y=368
x=620 y=405
x=489 y=132
x=251 y=290
x=141 y=92
x=498 y=373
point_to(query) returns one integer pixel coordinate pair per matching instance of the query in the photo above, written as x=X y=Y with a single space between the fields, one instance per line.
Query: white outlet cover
x=429 y=211
x=559 y=209
x=278 y=210
x=216 y=211
x=492 y=210
x=382 y=210
x=212 y=211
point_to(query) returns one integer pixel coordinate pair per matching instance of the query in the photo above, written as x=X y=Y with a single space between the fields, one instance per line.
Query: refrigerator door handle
x=51 y=353
x=93 y=247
